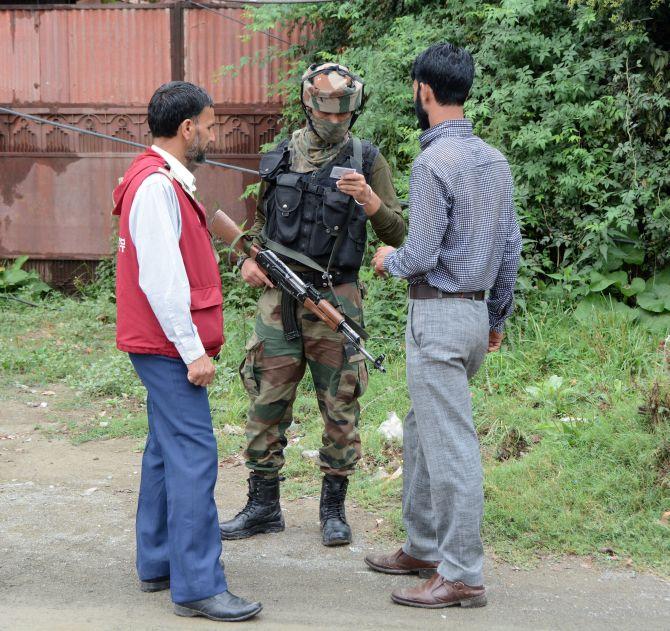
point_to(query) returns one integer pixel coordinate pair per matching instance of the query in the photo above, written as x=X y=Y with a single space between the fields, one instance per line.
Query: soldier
x=316 y=220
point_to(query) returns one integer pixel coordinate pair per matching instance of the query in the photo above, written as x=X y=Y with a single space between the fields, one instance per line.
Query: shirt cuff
x=497 y=322
x=190 y=349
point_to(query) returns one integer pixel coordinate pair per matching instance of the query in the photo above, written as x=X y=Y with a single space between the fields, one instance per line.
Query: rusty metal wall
x=101 y=54
x=63 y=274
x=55 y=185
x=96 y=67
x=80 y=55
x=213 y=43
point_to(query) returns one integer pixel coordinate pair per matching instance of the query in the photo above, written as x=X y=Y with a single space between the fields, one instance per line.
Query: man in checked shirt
x=463 y=241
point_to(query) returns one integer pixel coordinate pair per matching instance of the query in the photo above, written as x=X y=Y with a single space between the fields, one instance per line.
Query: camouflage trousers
x=273 y=368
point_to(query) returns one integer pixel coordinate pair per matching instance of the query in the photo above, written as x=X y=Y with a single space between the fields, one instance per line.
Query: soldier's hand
x=354 y=184
x=201 y=371
x=254 y=275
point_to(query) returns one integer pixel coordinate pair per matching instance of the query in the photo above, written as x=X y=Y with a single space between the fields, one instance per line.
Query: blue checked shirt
x=463 y=233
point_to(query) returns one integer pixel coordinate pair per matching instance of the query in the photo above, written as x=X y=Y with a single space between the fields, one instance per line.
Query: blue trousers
x=177 y=524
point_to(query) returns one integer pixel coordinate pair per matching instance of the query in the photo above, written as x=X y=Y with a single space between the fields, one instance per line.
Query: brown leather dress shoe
x=401 y=563
x=438 y=592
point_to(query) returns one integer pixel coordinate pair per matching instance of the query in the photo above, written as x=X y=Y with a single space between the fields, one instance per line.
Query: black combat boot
x=261 y=514
x=335 y=530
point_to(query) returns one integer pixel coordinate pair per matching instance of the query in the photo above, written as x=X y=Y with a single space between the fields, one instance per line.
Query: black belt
x=338 y=278
x=426 y=292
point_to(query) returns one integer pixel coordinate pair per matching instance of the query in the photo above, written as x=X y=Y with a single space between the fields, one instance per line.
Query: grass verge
x=572 y=463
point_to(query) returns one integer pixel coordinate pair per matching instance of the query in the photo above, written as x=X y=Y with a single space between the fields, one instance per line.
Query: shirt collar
x=460 y=127
x=178 y=170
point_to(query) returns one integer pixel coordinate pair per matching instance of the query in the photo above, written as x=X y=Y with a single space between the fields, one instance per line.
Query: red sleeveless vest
x=137 y=329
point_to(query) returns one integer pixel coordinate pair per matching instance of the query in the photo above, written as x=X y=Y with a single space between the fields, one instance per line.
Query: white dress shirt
x=155 y=228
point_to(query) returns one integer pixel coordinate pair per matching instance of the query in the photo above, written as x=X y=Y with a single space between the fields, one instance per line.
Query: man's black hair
x=172 y=104
x=448 y=70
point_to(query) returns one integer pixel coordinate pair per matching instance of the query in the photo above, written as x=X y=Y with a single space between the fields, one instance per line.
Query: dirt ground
x=67 y=557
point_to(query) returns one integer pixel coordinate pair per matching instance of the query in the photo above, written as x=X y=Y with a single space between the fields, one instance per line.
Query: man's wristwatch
x=240 y=262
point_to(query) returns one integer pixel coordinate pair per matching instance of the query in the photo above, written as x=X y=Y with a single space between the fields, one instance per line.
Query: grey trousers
x=443 y=496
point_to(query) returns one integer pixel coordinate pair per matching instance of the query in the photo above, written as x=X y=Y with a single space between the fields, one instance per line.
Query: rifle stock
x=225 y=228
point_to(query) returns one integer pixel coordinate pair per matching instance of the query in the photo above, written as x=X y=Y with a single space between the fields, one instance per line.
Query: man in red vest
x=170 y=322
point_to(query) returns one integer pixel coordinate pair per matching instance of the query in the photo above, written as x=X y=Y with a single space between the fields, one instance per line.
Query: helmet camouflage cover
x=331 y=88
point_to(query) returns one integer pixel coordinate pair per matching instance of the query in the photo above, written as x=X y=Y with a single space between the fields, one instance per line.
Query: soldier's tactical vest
x=306 y=213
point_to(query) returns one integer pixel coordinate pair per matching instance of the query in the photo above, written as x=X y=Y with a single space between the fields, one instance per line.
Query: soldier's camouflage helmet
x=331 y=88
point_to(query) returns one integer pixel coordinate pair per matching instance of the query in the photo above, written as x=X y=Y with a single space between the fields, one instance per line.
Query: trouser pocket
x=250 y=366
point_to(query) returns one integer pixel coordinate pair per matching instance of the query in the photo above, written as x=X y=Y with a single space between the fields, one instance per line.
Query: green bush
x=575 y=93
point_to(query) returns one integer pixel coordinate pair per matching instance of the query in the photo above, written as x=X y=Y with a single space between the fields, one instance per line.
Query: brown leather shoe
x=401 y=563
x=438 y=592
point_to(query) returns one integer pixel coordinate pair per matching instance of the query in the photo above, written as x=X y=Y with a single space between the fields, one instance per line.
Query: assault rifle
x=289 y=282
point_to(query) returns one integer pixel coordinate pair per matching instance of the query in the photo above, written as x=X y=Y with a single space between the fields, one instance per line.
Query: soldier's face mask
x=329 y=132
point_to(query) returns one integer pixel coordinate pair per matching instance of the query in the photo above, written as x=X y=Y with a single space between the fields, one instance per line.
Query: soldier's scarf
x=309 y=152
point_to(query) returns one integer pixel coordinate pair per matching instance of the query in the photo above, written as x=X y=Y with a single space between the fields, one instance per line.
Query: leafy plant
x=13 y=279
x=553 y=392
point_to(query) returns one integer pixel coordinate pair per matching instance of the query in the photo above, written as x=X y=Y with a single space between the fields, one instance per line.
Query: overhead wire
x=217 y=11
x=124 y=141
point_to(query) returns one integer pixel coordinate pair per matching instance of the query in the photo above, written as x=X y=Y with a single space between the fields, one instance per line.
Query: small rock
x=310 y=454
x=665 y=518
x=232 y=430
x=90 y=491
x=380 y=474
x=48 y=393
x=44 y=404
x=391 y=429
x=104 y=423
x=396 y=474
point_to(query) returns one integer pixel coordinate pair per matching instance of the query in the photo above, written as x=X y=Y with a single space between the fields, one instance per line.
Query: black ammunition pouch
x=273 y=162
x=287 y=198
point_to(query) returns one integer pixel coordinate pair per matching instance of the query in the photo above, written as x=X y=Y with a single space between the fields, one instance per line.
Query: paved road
x=66 y=558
